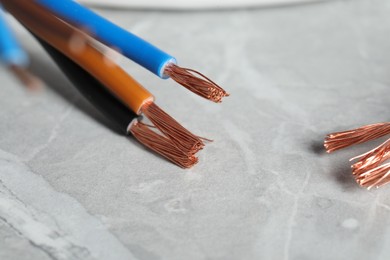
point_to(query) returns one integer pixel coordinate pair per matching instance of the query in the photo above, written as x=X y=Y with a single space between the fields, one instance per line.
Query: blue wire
x=11 y=53
x=133 y=47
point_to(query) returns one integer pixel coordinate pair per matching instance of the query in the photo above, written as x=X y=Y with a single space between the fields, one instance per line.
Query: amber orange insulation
x=77 y=46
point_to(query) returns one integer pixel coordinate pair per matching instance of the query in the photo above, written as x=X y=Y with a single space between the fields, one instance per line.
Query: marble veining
x=72 y=188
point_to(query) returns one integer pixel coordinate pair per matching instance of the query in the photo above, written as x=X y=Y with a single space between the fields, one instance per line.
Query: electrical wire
x=135 y=48
x=14 y=57
x=76 y=45
x=124 y=119
x=60 y=35
x=369 y=169
x=129 y=44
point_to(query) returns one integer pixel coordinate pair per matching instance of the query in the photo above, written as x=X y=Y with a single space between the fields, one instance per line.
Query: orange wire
x=60 y=35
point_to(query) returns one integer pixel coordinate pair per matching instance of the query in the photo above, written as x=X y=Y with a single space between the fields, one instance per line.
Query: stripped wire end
x=371 y=159
x=196 y=82
x=187 y=142
x=31 y=81
x=368 y=170
x=162 y=145
x=375 y=177
x=340 y=140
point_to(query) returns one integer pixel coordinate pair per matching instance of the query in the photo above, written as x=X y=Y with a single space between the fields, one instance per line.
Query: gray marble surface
x=71 y=188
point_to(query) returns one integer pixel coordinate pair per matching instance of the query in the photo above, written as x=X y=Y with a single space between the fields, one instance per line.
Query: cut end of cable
x=371 y=159
x=187 y=142
x=375 y=177
x=196 y=82
x=162 y=145
x=31 y=81
x=340 y=140
x=368 y=170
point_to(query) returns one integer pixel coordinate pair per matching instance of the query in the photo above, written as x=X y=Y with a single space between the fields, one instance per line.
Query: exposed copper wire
x=26 y=78
x=196 y=82
x=339 y=140
x=162 y=145
x=368 y=170
x=371 y=159
x=375 y=177
x=181 y=137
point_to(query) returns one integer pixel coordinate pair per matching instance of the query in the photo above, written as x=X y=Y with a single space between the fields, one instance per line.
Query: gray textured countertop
x=70 y=188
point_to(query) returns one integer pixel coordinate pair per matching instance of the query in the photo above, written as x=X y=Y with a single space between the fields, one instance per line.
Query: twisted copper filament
x=180 y=136
x=370 y=169
x=371 y=159
x=340 y=140
x=196 y=82
x=375 y=177
x=162 y=145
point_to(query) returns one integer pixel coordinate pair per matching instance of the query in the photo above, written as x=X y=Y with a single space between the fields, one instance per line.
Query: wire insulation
x=132 y=46
x=92 y=90
x=77 y=47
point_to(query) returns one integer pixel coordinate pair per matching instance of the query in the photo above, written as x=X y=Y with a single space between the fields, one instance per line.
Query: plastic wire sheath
x=92 y=89
x=59 y=35
x=11 y=53
x=133 y=47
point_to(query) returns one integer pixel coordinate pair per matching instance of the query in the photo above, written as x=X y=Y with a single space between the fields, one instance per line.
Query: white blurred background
x=194 y=4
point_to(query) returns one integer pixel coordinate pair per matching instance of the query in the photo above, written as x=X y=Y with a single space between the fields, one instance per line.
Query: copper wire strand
x=180 y=136
x=371 y=159
x=375 y=177
x=162 y=145
x=28 y=79
x=340 y=140
x=196 y=82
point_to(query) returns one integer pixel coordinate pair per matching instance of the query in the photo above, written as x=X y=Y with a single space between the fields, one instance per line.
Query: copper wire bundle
x=370 y=169
x=174 y=142
x=340 y=140
x=196 y=82
x=162 y=145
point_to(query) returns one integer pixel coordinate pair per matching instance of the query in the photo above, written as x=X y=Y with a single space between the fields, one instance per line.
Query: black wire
x=92 y=89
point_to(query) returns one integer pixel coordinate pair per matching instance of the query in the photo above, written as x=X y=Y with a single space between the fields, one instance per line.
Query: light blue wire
x=11 y=53
x=133 y=47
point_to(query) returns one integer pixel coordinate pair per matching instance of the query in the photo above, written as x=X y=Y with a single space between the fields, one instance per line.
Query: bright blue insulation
x=11 y=53
x=133 y=47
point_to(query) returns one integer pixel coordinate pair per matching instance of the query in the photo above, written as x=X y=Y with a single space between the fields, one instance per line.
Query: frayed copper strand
x=162 y=145
x=371 y=159
x=181 y=137
x=196 y=82
x=339 y=140
x=26 y=78
x=375 y=177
